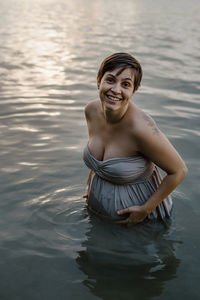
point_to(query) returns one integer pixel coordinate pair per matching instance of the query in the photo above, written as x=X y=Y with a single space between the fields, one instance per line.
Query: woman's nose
x=116 y=88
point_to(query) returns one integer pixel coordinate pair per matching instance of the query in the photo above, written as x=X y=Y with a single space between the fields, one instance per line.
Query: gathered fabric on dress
x=122 y=182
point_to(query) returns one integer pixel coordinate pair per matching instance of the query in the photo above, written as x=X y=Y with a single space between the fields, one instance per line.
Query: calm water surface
x=50 y=247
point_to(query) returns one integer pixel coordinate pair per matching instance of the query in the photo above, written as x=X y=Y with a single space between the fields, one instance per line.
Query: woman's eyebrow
x=111 y=75
x=127 y=78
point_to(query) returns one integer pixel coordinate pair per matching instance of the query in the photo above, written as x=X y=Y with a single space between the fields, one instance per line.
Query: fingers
x=85 y=196
x=124 y=211
x=126 y=221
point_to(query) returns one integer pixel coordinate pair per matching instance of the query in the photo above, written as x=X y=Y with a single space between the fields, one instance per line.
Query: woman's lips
x=113 y=99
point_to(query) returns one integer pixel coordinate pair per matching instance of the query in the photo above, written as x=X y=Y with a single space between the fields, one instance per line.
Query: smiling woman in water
x=124 y=149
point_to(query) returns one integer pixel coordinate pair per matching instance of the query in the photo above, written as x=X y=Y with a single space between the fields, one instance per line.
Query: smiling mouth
x=113 y=99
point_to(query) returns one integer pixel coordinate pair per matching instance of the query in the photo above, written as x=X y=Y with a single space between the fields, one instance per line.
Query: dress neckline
x=114 y=158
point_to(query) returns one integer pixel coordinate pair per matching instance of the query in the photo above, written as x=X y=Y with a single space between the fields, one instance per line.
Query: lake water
x=50 y=51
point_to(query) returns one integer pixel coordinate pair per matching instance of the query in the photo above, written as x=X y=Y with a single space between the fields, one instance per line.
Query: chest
x=109 y=141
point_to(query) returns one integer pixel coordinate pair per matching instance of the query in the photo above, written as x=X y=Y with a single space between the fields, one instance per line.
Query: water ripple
x=50 y=54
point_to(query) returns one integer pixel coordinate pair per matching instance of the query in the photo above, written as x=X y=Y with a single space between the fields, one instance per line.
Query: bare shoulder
x=144 y=124
x=91 y=108
x=154 y=144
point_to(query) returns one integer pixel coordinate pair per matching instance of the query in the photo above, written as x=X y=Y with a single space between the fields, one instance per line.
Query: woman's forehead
x=121 y=72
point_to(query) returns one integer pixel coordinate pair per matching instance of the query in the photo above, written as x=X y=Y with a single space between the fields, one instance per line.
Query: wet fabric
x=121 y=182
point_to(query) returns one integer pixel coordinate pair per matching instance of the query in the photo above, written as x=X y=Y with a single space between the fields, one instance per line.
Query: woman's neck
x=114 y=116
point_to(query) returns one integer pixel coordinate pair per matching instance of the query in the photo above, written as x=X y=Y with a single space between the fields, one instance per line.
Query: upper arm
x=87 y=112
x=90 y=110
x=154 y=145
x=90 y=113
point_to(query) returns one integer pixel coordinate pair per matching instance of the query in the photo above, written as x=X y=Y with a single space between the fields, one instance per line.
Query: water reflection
x=128 y=263
x=50 y=52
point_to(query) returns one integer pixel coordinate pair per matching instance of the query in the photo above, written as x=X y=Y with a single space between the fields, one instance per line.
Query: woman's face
x=116 y=88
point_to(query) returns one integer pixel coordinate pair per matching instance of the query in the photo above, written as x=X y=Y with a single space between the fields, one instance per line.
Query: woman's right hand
x=86 y=195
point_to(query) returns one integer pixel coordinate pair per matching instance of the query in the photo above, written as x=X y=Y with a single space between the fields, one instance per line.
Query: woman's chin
x=111 y=105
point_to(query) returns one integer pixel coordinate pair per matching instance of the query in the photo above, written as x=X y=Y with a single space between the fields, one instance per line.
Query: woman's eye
x=109 y=80
x=126 y=84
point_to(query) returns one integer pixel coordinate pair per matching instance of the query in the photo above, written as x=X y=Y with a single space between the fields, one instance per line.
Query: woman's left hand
x=137 y=215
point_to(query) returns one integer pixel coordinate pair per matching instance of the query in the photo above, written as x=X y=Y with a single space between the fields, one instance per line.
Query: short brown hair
x=123 y=60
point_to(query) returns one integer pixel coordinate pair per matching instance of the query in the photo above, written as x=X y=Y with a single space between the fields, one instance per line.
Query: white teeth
x=113 y=98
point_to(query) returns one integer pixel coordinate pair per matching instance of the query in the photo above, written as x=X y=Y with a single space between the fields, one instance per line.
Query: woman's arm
x=154 y=145
x=87 y=185
x=89 y=111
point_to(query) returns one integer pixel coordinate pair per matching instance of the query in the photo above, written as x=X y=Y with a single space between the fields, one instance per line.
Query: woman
x=124 y=149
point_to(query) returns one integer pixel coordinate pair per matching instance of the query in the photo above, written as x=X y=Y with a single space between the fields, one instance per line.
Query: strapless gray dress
x=121 y=182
